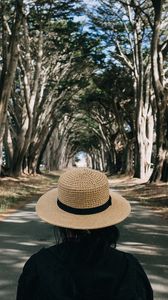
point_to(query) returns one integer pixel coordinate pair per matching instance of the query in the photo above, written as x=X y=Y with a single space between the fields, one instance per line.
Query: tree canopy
x=84 y=77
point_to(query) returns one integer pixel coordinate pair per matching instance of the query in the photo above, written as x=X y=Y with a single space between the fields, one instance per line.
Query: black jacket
x=65 y=272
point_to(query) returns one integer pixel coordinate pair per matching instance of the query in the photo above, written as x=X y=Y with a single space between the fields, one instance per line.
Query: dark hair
x=91 y=245
x=105 y=237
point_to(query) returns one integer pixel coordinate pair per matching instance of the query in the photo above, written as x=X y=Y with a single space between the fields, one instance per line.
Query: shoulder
x=121 y=255
x=42 y=254
x=130 y=258
x=141 y=279
x=131 y=263
x=134 y=273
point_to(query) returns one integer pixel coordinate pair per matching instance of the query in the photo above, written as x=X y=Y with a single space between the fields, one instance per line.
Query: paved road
x=144 y=234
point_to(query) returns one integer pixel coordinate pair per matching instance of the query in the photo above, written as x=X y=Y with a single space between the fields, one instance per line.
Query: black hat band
x=84 y=211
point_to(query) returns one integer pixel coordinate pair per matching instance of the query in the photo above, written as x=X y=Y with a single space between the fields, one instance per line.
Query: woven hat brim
x=48 y=211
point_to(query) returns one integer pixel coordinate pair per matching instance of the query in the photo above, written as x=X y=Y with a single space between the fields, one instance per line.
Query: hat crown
x=83 y=188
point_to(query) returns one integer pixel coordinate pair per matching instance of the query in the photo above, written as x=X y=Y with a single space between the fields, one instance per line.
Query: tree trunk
x=111 y=162
x=53 y=150
x=141 y=87
x=129 y=170
x=161 y=98
x=43 y=148
x=8 y=149
x=145 y=143
x=30 y=93
x=164 y=176
x=144 y=128
x=8 y=72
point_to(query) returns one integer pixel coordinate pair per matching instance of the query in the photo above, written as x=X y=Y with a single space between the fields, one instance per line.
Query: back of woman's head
x=103 y=237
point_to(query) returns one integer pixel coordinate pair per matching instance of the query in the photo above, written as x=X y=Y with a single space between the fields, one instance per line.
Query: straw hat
x=82 y=201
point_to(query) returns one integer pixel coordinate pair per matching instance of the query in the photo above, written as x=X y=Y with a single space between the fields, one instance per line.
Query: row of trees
x=41 y=53
x=136 y=34
x=98 y=85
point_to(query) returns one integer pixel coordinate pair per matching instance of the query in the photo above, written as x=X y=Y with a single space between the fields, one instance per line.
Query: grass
x=15 y=192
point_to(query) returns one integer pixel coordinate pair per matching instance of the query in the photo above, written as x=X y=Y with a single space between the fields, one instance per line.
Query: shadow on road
x=22 y=234
x=144 y=234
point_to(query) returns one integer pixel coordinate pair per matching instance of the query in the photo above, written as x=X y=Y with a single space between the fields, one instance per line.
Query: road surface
x=143 y=234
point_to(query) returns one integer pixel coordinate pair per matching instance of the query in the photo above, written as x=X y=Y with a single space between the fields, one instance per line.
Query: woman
x=84 y=265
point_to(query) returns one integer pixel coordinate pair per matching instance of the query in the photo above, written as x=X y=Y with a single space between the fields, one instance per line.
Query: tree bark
x=31 y=86
x=9 y=69
x=141 y=86
x=161 y=98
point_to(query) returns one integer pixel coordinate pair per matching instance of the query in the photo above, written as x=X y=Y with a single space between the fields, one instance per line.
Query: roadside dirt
x=16 y=192
x=154 y=196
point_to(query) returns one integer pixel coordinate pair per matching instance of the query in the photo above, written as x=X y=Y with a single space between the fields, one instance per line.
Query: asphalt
x=143 y=234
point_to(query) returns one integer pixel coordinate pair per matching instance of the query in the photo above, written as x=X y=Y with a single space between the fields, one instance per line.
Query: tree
x=159 y=51
x=10 y=54
x=127 y=35
x=109 y=106
x=47 y=77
